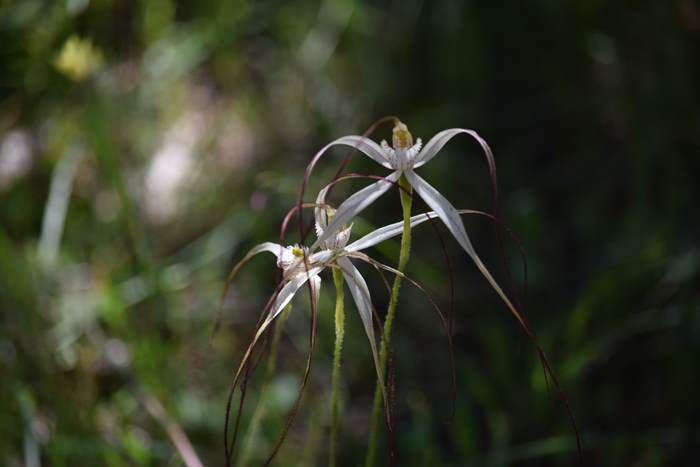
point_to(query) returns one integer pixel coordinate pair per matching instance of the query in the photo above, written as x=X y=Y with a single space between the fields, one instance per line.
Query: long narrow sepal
x=289 y=291
x=361 y=296
x=269 y=247
x=363 y=301
x=279 y=302
x=437 y=142
x=355 y=204
x=362 y=144
x=450 y=217
x=392 y=230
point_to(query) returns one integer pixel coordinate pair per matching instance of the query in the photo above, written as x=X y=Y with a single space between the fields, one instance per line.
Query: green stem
x=259 y=412
x=406 y=202
x=335 y=381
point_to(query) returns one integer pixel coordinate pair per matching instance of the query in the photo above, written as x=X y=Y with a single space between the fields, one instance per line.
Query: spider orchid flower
x=403 y=158
x=301 y=265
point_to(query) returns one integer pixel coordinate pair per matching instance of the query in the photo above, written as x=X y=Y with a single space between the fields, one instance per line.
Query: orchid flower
x=300 y=265
x=403 y=158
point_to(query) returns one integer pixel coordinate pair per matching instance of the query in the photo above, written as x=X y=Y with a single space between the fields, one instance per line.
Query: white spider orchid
x=301 y=265
x=403 y=158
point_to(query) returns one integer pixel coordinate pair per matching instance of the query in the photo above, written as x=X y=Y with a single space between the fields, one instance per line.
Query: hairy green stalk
x=335 y=380
x=406 y=203
x=259 y=412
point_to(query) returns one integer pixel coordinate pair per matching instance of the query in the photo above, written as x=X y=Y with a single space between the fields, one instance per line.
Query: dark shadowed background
x=145 y=146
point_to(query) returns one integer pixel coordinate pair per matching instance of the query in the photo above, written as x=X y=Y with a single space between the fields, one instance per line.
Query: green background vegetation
x=139 y=162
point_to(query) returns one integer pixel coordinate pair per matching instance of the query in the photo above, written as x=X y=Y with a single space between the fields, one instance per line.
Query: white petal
x=445 y=211
x=387 y=232
x=360 y=294
x=286 y=258
x=274 y=248
x=321 y=217
x=362 y=144
x=283 y=298
x=354 y=204
x=316 y=289
x=319 y=259
x=439 y=140
x=392 y=230
x=320 y=209
x=288 y=292
x=450 y=217
x=269 y=247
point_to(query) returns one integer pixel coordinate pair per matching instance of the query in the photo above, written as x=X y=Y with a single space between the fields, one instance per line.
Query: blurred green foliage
x=144 y=146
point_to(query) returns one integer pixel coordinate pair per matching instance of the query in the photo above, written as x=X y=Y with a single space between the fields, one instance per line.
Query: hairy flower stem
x=406 y=203
x=259 y=412
x=335 y=381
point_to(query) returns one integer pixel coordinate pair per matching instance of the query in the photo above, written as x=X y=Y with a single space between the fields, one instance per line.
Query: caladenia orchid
x=402 y=158
x=331 y=250
x=301 y=265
